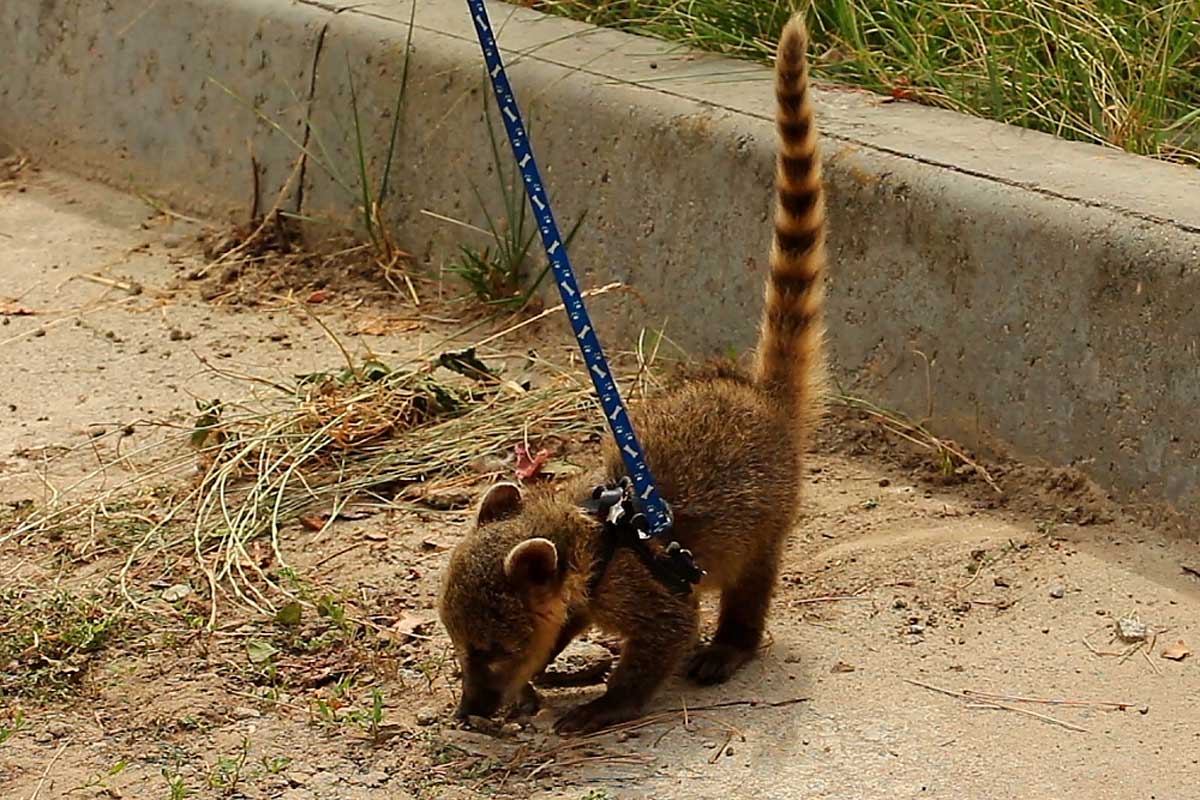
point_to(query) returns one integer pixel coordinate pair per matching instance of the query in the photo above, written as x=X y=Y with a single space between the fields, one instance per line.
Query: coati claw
x=593 y=716
x=527 y=704
x=716 y=663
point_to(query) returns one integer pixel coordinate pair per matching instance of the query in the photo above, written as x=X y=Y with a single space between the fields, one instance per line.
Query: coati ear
x=502 y=500
x=532 y=564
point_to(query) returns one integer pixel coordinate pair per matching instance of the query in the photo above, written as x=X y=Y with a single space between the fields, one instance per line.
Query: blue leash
x=651 y=503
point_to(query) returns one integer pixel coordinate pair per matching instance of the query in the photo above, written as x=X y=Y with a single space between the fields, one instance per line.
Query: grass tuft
x=47 y=640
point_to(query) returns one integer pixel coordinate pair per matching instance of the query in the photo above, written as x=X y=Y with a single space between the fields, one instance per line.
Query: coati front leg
x=530 y=702
x=655 y=645
x=744 y=606
x=577 y=623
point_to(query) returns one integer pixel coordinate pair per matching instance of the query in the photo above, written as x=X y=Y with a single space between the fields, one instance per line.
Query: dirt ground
x=906 y=593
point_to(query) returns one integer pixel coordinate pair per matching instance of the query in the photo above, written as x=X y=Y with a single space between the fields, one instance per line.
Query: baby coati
x=726 y=452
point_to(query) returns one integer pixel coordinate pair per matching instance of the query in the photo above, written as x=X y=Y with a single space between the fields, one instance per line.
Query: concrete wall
x=1044 y=290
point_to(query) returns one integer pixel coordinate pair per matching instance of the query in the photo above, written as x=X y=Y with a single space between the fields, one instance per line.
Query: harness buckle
x=673 y=565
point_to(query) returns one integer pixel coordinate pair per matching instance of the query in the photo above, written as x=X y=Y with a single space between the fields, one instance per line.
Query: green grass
x=47 y=640
x=1117 y=72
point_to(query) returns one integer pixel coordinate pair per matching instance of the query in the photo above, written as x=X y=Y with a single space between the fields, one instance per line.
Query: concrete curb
x=1028 y=290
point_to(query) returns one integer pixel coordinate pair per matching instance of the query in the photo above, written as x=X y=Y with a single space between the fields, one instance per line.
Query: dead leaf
x=407 y=627
x=1176 y=652
x=380 y=326
x=528 y=466
x=375 y=536
x=319 y=296
x=14 y=310
x=434 y=544
x=314 y=522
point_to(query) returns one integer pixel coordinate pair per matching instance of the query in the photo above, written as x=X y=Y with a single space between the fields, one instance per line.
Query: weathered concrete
x=1024 y=289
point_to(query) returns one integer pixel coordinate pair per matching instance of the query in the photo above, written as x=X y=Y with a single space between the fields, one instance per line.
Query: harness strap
x=672 y=566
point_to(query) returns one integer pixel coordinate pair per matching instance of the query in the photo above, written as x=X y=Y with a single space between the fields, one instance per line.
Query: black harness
x=624 y=526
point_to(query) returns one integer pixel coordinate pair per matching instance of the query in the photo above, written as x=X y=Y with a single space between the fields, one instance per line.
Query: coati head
x=506 y=593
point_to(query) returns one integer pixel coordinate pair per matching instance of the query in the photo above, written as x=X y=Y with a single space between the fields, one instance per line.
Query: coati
x=726 y=452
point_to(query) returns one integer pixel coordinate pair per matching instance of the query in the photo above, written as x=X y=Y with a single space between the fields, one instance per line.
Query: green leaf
x=289 y=615
x=260 y=652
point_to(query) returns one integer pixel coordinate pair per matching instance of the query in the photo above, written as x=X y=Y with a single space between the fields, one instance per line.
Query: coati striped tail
x=790 y=361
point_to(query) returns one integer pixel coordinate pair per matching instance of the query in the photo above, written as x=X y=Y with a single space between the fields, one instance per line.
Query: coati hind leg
x=744 y=606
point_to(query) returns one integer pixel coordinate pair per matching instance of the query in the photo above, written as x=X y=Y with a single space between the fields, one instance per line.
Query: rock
x=297 y=794
x=324 y=780
x=299 y=777
x=173 y=594
x=178 y=335
x=58 y=729
x=43 y=737
x=1058 y=592
x=376 y=777
x=425 y=718
x=582 y=663
x=244 y=712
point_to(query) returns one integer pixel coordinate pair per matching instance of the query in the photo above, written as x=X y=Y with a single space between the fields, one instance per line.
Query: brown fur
x=726 y=451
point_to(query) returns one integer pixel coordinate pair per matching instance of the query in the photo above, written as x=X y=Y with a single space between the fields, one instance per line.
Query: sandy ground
x=892 y=581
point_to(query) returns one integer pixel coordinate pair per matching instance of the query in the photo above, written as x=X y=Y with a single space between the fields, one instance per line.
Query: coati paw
x=716 y=663
x=527 y=704
x=593 y=716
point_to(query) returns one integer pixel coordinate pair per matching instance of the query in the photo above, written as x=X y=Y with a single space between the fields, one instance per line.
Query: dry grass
x=216 y=497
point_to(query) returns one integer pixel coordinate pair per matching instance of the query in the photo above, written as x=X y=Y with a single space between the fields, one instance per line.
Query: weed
x=48 y=640
x=226 y=774
x=176 y=787
x=275 y=765
x=500 y=274
x=950 y=458
x=370 y=719
x=99 y=781
x=15 y=724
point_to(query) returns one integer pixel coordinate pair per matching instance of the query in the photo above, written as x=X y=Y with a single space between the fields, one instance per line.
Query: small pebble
x=244 y=712
x=425 y=718
x=375 y=778
x=1058 y=592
